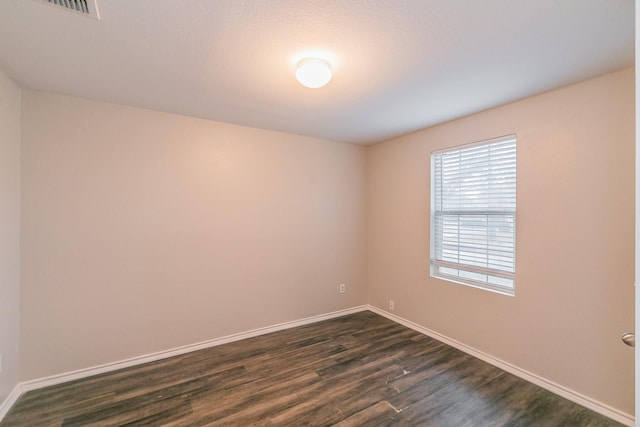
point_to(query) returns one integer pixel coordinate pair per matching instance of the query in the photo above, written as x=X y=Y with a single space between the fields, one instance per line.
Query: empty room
x=303 y=212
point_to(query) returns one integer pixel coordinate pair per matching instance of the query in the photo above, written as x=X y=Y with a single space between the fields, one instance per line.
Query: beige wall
x=143 y=231
x=575 y=238
x=9 y=233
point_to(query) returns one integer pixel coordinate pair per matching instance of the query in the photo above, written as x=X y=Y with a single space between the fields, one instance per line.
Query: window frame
x=434 y=263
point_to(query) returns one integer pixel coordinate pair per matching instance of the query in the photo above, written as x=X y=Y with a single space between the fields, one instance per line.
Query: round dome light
x=313 y=72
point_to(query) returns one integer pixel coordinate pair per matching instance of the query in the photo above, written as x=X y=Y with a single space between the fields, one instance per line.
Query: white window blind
x=473 y=214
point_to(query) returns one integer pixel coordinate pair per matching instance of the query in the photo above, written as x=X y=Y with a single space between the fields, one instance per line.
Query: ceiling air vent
x=83 y=7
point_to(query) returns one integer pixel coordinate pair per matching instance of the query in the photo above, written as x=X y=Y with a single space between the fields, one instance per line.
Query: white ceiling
x=400 y=65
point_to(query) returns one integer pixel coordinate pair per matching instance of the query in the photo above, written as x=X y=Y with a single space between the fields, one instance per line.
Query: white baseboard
x=553 y=387
x=571 y=395
x=10 y=400
x=26 y=386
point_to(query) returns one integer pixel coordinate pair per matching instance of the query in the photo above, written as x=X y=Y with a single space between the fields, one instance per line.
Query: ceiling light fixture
x=313 y=72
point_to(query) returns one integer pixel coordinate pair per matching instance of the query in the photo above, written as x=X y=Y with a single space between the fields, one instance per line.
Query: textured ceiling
x=400 y=65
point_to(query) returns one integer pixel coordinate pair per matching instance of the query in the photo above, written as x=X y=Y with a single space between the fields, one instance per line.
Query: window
x=473 y=214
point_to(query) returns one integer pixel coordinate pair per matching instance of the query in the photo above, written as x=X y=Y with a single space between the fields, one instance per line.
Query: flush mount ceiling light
x=313 y=72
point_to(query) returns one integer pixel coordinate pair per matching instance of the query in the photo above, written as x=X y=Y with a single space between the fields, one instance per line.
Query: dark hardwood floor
x=357 y=370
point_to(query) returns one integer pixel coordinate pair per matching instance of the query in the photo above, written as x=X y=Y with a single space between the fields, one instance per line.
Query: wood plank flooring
x=356 y=370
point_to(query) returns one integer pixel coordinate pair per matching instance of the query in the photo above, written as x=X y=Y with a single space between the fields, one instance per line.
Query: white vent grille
x=84 y=7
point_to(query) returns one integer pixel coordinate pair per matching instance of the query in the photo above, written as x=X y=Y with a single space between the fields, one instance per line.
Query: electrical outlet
x=392 y=305
x=343 y=288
